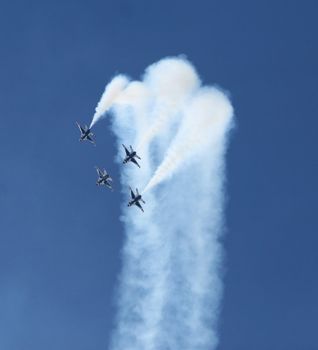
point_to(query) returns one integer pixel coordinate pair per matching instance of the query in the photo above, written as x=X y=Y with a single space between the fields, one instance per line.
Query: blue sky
x=60 y=236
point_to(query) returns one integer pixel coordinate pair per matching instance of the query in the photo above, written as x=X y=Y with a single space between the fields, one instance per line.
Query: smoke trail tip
x=112 y=92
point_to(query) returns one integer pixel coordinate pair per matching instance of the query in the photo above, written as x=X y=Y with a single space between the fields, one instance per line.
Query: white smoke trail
x=112 y=91
x=170 y=288
x=207 y=118
x=171 y=81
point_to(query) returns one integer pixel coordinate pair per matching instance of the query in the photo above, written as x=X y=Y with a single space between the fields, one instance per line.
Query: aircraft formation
x=104 y=178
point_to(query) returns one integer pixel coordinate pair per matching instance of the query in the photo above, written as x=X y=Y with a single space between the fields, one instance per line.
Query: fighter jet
x=135 y=199
x=130 y=156
x=103 y=178
x=86 y=133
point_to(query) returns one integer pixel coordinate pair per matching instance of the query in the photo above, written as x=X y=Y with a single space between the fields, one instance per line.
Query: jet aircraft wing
x=126 y=150
x=80 y=128
x=90 y=140
x=132 y=194
x=134 y=161
x=108 y=185
x=139 y=206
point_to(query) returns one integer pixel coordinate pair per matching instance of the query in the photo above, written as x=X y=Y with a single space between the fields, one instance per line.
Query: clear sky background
x=60 y=236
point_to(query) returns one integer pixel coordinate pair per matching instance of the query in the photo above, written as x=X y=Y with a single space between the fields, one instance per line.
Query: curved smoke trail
x=171 y=82
x=206 y=120
x=112 y=91
x=170 y=287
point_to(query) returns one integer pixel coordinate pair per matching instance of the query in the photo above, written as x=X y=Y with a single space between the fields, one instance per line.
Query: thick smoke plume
x=112 y=91
x=170 y=287
x=170 y=82
x=206 y=120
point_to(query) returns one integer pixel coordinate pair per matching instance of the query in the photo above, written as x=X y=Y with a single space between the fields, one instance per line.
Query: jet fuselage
x=135 y=200
x=131 y=156
x=86 y=134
